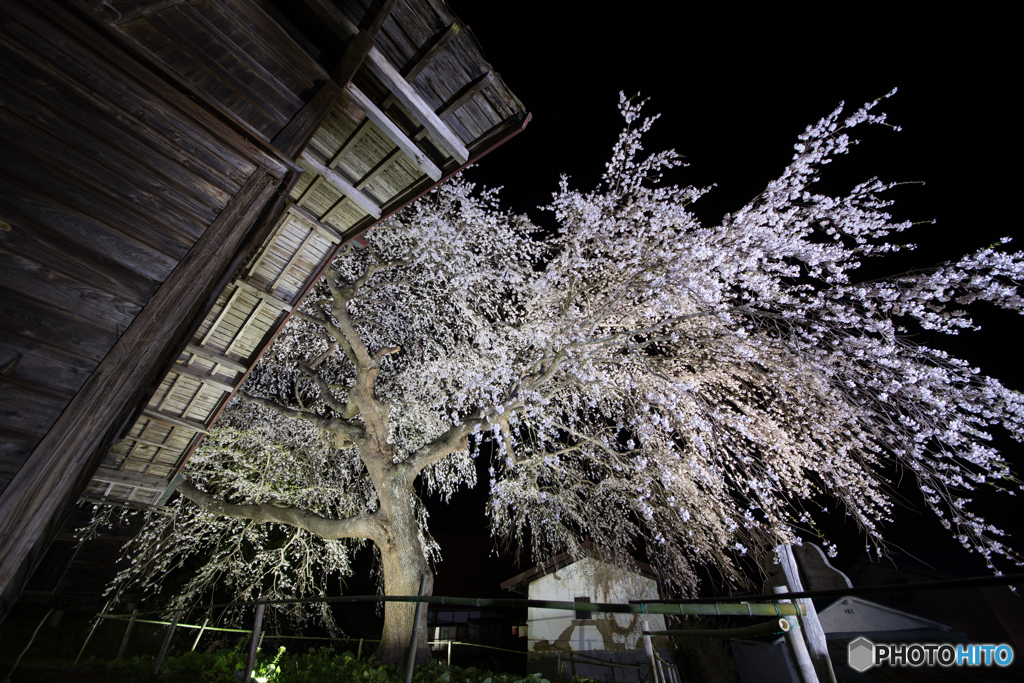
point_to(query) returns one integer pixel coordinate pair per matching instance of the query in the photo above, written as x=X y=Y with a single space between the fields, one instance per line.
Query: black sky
x=735 y=87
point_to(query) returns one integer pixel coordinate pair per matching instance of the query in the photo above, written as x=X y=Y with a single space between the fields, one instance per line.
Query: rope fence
x=751 y=605
x=661 y=671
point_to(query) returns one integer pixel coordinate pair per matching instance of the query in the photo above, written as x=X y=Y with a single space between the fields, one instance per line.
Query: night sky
x=734 y=88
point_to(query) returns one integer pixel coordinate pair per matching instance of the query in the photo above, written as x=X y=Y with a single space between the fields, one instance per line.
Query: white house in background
x=842 y=621
x=580 y=641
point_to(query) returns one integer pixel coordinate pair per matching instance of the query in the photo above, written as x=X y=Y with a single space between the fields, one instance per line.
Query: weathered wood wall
x=122 y=201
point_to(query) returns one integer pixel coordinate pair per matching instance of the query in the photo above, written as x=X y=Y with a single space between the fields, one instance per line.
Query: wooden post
x=127 y=635
x=255 y=645
x=814 y=635
x=359 y=654
x=167 y=642
x=91 y=631
x=29 y=644
x=661 y=669
x=203 y=628
x=410 y=659
x=797 y=646
x=652 y=668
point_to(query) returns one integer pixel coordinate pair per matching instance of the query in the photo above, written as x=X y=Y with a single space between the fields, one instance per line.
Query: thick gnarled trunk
x=404 y=561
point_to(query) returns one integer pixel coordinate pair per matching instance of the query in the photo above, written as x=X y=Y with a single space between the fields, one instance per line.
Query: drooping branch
x=362 y=526
x=348 y=434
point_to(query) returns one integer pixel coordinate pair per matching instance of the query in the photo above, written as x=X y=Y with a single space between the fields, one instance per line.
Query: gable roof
x=590 y=549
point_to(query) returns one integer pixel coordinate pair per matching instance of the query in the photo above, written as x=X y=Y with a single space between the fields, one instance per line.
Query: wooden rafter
x=295 y=257
x=202 y=377
x=394 y=133
x=217 y=358
x=412 y=70
x=383 y=69
x=341 y=184
x=467 y=93
x=175 y=421
x=263 y=294
x=129 y=478
x=359 y=44
x=326 y=231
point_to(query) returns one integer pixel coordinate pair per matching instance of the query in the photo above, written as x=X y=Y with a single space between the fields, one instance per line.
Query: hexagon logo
x=862 y=654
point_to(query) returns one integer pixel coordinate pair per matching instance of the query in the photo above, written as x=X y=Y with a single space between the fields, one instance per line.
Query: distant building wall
x=598 y=581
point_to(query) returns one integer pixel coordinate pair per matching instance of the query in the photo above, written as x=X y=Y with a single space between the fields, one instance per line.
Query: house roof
x=590 y=549
x=424 y=104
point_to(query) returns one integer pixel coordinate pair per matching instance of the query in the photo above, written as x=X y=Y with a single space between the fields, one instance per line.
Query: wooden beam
x=182 y=422
x=147 y=442
x=327 y=231
x=388 y=159
x=441 y=39
x=294 y=137
x=382 y=68
x=359 y=45
x=136 y=479
x=468 y=93
x=220 y=317
x=394 y=133
x=345 y=187
x=263 y=294
x=249 y=320
x=362 y=129
x=295 y=257
x=381 y=16
x=215 y=357
x=413 y=69
x=202 y=377
x=353 y=58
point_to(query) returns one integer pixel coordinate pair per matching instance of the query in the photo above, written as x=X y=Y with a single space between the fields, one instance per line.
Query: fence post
x=251 y=662
x=92 y=630
x=410 y=659
x=817 y=647
x=359 y=654
x=30 y=641
x=797 y=646
x=167 y=641
x=127 y=635
x=652 y=667
x=203 y=628
x=449 y=654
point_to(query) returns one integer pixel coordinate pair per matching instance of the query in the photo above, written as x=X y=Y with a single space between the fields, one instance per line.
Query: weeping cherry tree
x=639 y=378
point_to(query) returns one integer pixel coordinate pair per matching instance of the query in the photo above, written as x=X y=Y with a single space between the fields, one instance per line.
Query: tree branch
x=362 y=526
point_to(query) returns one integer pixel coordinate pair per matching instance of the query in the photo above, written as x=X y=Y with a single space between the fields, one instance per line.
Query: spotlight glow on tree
x=645 y=380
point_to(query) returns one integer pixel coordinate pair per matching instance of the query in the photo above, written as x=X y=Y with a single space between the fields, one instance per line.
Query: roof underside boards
x=372 y=153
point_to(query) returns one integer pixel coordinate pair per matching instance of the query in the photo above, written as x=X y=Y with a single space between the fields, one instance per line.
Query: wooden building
x=174 y=176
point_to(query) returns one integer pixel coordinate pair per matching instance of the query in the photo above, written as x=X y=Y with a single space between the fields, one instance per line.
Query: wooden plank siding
x=185 y=171
x=122 y=202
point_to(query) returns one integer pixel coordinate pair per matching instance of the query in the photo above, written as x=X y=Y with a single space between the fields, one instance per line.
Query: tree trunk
x=404 y=562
